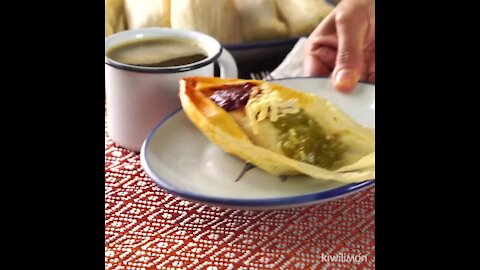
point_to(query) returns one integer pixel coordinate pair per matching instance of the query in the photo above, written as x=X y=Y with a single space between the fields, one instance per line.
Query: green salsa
x=304 y=140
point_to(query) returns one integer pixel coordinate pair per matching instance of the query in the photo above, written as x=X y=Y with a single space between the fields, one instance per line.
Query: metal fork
x=263 y=75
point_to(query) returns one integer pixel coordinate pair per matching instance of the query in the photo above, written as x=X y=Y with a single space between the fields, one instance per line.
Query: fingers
x=371 y=69
x=337 y=46
x=326 y=27
x=349 y=63
x=312 y=66
x=320 y=56
x=371 y=78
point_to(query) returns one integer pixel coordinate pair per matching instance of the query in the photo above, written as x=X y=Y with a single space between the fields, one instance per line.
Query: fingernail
x=346 y=79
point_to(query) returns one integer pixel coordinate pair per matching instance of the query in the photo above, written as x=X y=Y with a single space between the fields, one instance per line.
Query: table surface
x=149 y=228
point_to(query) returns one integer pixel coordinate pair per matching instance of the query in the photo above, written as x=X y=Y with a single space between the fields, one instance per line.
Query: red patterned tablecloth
x=149 y=228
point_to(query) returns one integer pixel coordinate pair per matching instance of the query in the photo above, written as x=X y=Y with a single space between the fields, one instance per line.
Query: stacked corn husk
x=229 y=21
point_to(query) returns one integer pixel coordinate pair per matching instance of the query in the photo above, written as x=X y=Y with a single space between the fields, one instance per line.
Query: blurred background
x=258 y=33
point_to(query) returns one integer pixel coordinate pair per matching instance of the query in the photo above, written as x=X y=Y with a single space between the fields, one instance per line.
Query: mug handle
x=227 y=65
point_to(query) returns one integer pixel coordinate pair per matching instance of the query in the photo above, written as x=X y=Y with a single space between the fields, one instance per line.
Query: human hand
x=343 y=45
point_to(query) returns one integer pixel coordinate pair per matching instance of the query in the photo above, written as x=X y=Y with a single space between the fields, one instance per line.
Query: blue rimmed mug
x=138 y=98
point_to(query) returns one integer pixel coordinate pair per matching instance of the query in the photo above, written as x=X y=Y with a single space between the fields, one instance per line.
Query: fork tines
x=263 y=75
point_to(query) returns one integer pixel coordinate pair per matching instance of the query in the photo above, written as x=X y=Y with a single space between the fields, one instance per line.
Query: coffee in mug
x=157 y=52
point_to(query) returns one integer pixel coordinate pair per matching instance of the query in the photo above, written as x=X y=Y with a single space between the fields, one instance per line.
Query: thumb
x=349 y=61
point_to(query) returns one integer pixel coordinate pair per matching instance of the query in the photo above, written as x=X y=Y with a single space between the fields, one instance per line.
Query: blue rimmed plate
x=181 y=160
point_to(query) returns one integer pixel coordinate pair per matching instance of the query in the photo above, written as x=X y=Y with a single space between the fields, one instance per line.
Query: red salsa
x=232 y=97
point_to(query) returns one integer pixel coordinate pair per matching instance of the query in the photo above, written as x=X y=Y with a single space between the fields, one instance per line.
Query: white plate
x=181 y=160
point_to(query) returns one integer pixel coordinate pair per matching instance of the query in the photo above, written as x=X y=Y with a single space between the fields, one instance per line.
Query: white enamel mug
x=138 y=98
